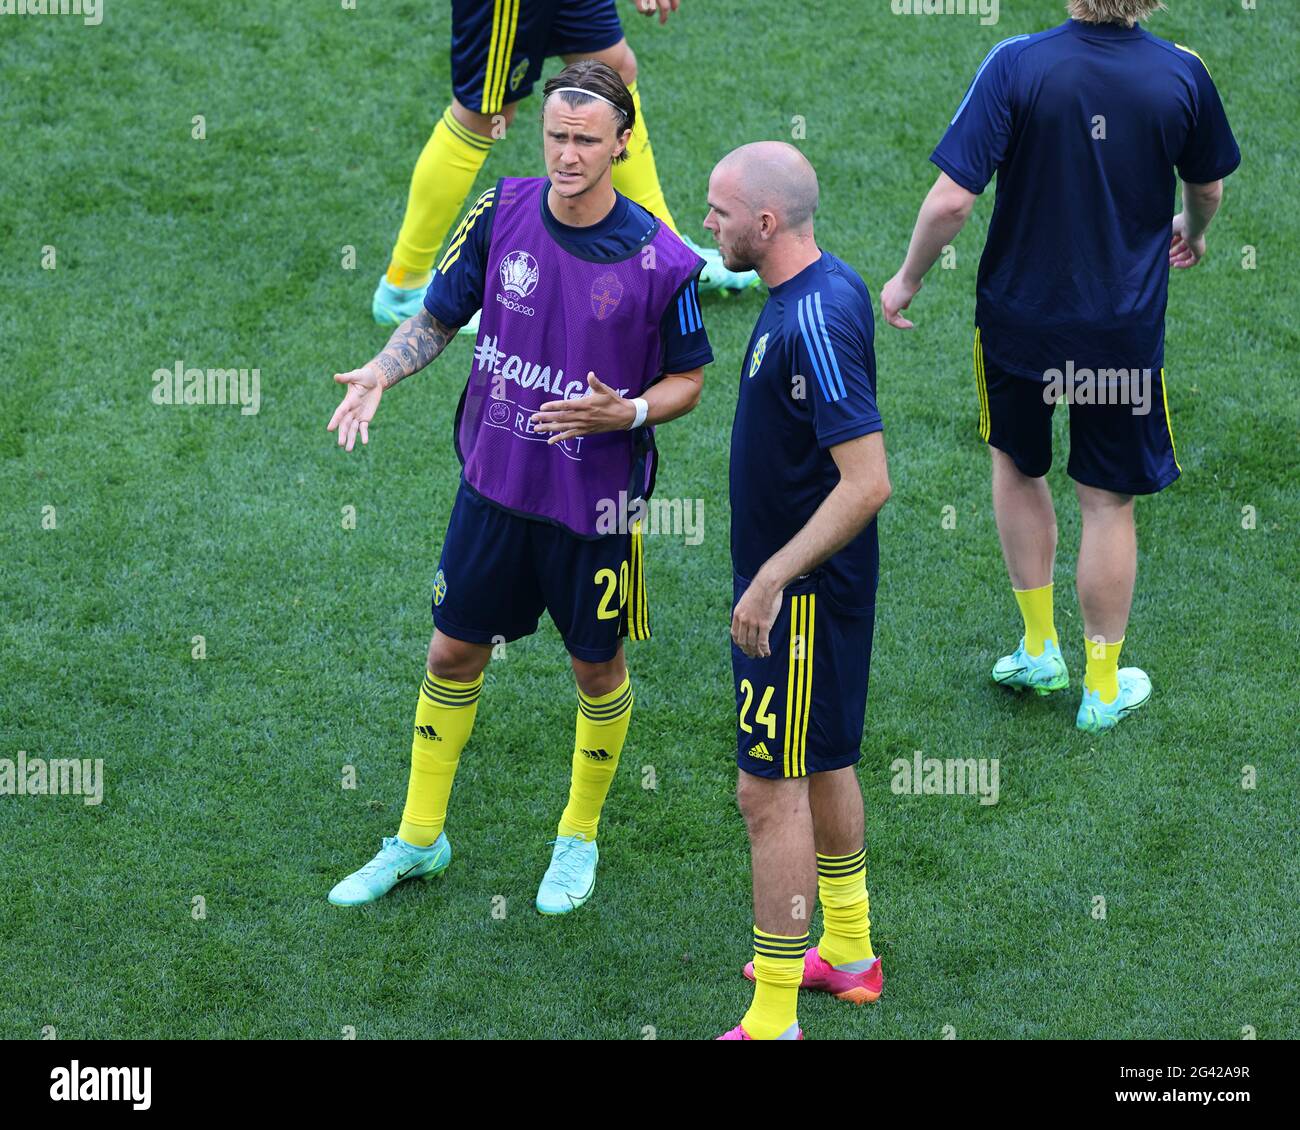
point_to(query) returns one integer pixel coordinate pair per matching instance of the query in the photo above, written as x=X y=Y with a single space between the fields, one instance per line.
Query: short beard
x=742 y=257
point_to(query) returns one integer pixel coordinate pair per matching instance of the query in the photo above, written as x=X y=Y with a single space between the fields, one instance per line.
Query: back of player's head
x=773 y=176
x=588 y=81
x=1126 y=12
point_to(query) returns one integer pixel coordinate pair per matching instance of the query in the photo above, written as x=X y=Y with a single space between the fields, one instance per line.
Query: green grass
x=223 y=776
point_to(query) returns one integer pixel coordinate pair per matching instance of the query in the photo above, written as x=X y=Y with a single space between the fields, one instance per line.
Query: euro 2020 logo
x=519 y=273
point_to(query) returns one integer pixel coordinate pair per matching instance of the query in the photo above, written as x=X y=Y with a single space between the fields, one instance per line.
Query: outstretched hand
x=601 y=410
x=357 y=409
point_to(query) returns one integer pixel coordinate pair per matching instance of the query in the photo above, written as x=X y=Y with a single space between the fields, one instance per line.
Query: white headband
x=589 y=94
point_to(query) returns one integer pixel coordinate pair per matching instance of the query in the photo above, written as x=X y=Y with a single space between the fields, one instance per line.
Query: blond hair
x=1126 y=12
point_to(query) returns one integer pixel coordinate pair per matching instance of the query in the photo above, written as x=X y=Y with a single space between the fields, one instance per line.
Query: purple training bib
x=549 y=318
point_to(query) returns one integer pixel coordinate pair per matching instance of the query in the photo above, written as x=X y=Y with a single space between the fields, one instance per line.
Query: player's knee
x=1094 y=502
x=754 y=797
x=598 y=679
x=626 y=63
x=489 y=126
x=455 y=660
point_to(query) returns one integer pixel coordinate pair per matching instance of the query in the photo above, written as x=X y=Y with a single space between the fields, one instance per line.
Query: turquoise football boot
x=392 y=305
x=1096 y=717
x=1041 y=674
x=397 y=860
x=715 y=277
x=571 y=877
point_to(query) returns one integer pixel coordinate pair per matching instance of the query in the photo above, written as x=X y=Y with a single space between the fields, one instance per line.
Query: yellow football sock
x=598 y=741
x=778 y=970
x=443 y=721
x=1102 y=672
x=846 y=911
x=1036 y=608
x=443 y=176
x=637 y=177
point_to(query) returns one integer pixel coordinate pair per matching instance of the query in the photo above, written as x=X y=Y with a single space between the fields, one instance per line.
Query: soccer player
x=497 y=52
x=1085 y=126
x=808 y=476
x=582 y=292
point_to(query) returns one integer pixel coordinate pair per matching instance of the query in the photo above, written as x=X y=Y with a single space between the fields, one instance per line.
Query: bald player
x=808 y=476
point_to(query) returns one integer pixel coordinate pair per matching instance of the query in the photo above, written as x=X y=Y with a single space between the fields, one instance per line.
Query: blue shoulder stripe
x=830 y=348
x=987 y=60
x=814 y=352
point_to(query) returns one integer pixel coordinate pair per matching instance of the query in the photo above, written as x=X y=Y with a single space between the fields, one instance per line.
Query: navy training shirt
x=1084 y=125
x=456 y=289
x=808 y=382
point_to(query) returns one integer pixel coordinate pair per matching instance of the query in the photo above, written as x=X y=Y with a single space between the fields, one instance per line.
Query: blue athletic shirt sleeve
x=686 y=343
x=1210 y=151
x=456 y=289
x=976 y=141
x=834 y=351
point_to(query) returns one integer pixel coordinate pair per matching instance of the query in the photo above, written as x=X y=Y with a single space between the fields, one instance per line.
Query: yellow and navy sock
x=1102 y=672
x=637 y=177
x=1036 y=609
x=443 y=176
x=778 y=972
x=444 y=718
x=598 y=741
x=846 y=911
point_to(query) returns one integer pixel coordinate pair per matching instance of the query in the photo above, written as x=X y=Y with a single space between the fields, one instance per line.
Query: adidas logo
x=428 y=733
x=760 y=751
x=597 y=754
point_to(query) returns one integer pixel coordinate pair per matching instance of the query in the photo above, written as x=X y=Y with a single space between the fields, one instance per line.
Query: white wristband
x=642 y=411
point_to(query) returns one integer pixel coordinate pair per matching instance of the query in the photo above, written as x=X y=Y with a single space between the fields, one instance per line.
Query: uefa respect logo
x=90 y=11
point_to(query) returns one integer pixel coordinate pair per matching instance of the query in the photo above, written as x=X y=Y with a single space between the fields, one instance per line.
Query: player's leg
x=780 y=826
x=486 y=42
x=590 y=29
x=586 y=585
x=479 y=598
x=1016 y=423
x=843 y=961
x=775 y=709
x=839 y=640
x=444 y=719
x=1119 y=447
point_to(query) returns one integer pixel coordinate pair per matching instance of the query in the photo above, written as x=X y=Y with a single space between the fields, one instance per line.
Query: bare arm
x=414 y=343
x=944 y=212
x=603 y=410
x=1200 y=203
x=856 y=499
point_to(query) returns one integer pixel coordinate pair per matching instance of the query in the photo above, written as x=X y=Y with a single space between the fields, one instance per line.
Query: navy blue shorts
x=1124 y=445
x=499 y=572
x=498 y=46
x=801 y=709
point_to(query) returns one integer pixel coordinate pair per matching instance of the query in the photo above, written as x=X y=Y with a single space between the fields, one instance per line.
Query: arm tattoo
x=414 y=343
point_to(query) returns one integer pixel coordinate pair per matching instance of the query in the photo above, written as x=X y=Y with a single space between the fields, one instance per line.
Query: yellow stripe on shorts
x=981 y=388
x=1169 y=427
x=505 y=22
x=798 y=686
